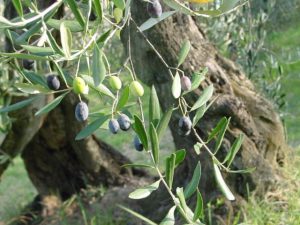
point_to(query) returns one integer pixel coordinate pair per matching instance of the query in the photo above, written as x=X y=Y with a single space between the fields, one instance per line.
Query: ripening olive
x=185 y=125
x=136 y=89
x=138 y=144
x=79 y=86
x=113 y=126
x=81 y=111
x=124 y=122
x=154 y=8
x=185 y=83
x=28 y=64
x=118 y=15
x=53 y=82
x=115 y=82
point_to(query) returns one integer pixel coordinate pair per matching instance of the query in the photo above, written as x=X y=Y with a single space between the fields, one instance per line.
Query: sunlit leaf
x=221 y=183
x=101 y=88
x=31 y=88
x=205 y=96
x=170 y=217
x=154 y=108
x=144 y=192
x=41 y=51
x=197 y=147
x=66 y=39
x=176 y=86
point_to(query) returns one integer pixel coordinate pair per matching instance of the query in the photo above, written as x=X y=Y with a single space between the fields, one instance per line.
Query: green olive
x=136 y=89
x=79 y=86
x=115 y=82
x=118 y=14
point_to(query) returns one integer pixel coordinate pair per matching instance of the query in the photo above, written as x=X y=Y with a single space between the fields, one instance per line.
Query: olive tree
x=228 y=138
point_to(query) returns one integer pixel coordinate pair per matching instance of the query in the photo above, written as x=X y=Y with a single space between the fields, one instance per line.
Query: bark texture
x=264 y=147
x=59 y=166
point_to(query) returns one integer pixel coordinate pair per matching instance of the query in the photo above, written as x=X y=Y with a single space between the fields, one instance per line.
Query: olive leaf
x=184 y=51
x=221 y=183
x=176 y=86
x=144 y=192
x=47 y=108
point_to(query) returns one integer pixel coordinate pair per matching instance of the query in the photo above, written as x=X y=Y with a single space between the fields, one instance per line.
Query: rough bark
x=60 y=166
x=264 y=147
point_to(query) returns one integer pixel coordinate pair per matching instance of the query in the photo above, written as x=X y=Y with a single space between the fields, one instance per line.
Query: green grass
x=16 y=191
x=281 y=206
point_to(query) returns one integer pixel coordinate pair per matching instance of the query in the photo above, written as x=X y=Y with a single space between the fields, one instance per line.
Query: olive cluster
x=123 y=122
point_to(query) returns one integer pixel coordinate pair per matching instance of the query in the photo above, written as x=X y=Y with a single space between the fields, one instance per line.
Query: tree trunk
x=60 y=166
x=264 y=146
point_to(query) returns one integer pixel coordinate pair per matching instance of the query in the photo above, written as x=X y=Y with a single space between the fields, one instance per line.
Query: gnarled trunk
x=58 y=165
x=264 y=146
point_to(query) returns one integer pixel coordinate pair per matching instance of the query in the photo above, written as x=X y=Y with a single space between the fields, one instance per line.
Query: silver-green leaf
x=47 y=108
x=206 y=95
x=184 y=51
x=176 y=86
x=144 y=192
x=193 y=184
x=221 y=183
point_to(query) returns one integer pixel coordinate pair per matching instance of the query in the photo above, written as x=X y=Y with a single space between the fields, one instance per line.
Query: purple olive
x=138 y=144
x=53 y=82
x=154 y=8
x=186 y=83
x=28 y=64
x=185 y=125
x=81 y=111
x=124 y=122
x=114 y=126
